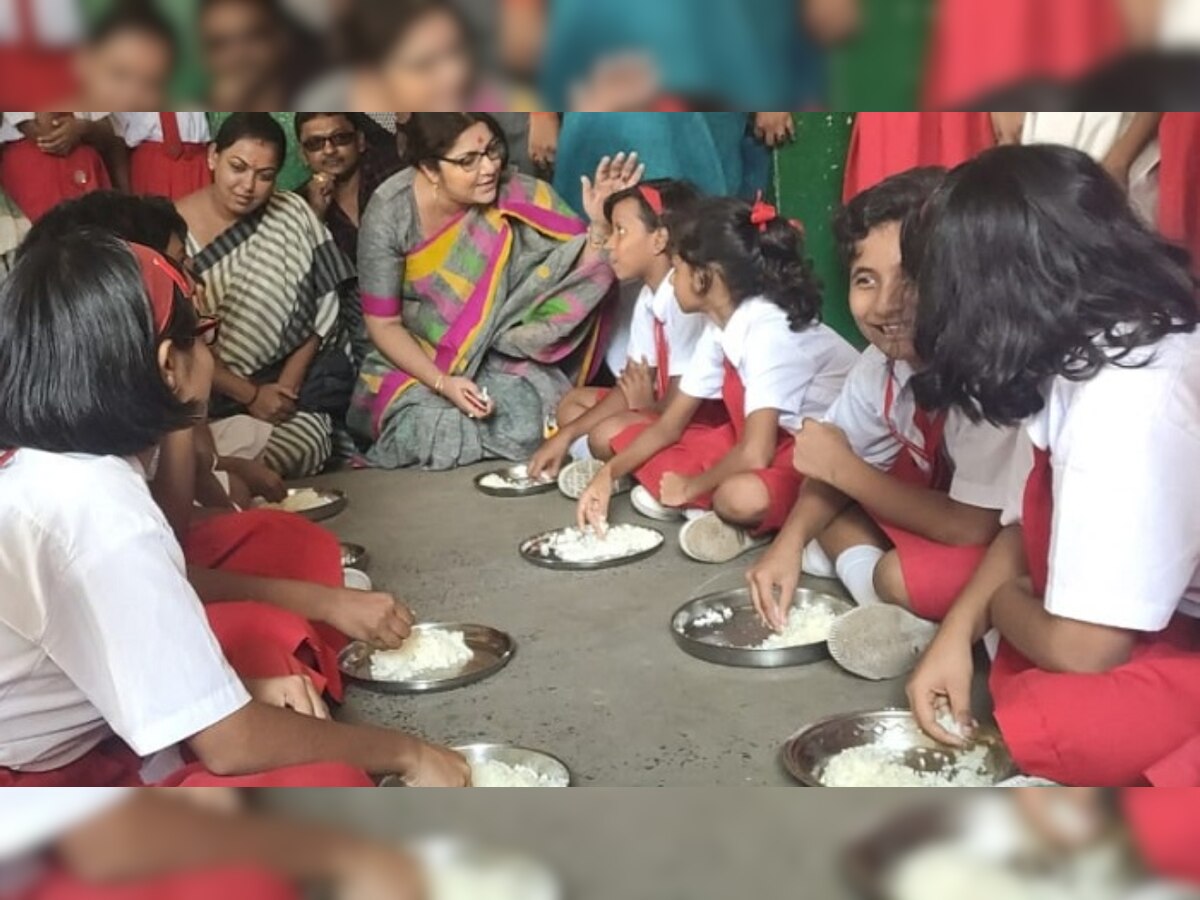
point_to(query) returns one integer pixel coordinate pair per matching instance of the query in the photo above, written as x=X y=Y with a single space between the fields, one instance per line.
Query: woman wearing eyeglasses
x=481 y=292
x=274 y=275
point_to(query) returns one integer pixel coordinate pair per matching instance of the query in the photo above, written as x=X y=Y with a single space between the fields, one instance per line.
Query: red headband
x=160 y=279
x=652 y=197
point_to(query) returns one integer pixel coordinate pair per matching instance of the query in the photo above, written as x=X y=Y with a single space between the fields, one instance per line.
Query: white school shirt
x=1125 y=539
x=982 y=454
x=1180 y=25
x=100 y=631
x=139 y=127
x=682 y=330
x=57 y=24
x=10 y=133
x=797 y=373
x=30 y=817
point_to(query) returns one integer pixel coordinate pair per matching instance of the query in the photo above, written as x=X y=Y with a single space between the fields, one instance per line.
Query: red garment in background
x=979 y=46
x=1179 y=181
x=883 y=144
x=37 y=181
x=1165 y=823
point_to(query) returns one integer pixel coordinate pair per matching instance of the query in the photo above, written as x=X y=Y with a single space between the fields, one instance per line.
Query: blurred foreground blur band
x=519 y=55
x=1036 y=843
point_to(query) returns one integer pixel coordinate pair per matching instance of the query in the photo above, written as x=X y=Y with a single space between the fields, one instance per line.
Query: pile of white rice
x=574 y=546
x=299 y=500
x=517 y=478
x=874 y=766
x=805 y=625
x=500 y=879
x=422 y=653
x=492 y=773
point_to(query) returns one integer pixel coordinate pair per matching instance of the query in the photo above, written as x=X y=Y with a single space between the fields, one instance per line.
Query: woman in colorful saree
x=482 y=294
x=273 y=274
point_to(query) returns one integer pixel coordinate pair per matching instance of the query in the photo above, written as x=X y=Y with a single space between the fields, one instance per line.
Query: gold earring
x=437 y=188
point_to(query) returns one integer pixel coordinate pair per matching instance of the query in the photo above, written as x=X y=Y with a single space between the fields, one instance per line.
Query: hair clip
x=762 y=213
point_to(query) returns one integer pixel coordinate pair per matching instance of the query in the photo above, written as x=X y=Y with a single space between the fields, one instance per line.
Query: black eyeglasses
x=318 y=142
x=496 y=151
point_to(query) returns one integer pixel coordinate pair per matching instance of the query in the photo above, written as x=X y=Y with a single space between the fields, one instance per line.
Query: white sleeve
x=1126 y=518
x=705 y=376
x=985 y=459
x=641 y=334
x=129 y=631
x=684 y=331
x=775 y=375
x=858 y=411
x=30 y=817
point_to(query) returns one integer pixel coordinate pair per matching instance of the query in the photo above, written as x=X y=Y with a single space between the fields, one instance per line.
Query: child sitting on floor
x=764 y=353
x=1044 y=300
x=900 y=502
x=639 y=251
x=106 y=658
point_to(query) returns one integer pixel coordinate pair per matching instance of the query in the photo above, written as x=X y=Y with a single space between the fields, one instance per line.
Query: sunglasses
x=317 y=143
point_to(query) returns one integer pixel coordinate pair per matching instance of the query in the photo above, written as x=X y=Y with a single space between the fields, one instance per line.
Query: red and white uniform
x=755 y=363
x=37 y=46
x=38 y=181
x=31 y=820
x=946 y=452
x=663 y=335
x=169 y=151
x=106 y=654
x=1111 y=517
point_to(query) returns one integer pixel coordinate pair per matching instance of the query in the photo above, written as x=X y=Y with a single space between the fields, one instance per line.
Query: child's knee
x=889 y=581
x=742 y=500
x=600 y=441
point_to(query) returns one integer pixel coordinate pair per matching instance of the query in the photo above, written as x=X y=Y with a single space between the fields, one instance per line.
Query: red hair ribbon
x=160 y=279
x=762 y=213
x=652 y=197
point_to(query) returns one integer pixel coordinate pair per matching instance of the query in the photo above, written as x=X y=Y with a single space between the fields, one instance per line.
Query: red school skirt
x=241 y=883
x=1164 y=823
x=259 y=640
x=1138 y=723
x=703 y=446
x=154 y=171
x=37 y=181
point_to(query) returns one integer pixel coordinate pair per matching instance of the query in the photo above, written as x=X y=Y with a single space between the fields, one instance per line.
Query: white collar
x=661 y=299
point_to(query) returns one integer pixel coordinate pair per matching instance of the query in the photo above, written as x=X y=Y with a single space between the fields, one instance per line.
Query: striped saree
x=499 y=295
x=275 y=278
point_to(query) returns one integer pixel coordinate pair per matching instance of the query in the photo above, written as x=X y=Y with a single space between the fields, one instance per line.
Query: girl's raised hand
x=592 y=509
x=773 y=581
x=774 y=128
x=939 y=690
x=613 y=174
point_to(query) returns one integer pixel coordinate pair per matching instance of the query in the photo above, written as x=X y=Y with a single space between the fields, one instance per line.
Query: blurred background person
x=168 y=152
x=37 y=46
x=13 y=228
x=247 y=54
x=128 y=59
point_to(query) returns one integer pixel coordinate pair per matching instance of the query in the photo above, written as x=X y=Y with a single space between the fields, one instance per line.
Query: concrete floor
x=597 y=679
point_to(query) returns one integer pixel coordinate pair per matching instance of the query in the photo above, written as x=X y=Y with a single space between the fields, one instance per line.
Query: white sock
x=580 y=450
x=816 y=561
x=856 y=570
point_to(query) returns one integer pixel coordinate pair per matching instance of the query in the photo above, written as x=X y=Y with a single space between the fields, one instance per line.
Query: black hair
x=253 y=126
x=428 y=137
x=893 y=200
x=1032 y=265
x=717 y=232
x=79 y=366
x=677 y=197
x=372 y=28
x=135 y=15
x=273 y=9
x=150 y=221
x=303 y=118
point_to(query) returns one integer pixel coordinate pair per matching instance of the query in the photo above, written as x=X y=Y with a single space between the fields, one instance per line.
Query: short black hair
x=894 y=199
x=252 y=126
x=1031 y=265
x=150 y=221
x=676 y=197
x=767 y=262
x=303 y=118
x=79 y=366
x=429 y=136
x=135 y=15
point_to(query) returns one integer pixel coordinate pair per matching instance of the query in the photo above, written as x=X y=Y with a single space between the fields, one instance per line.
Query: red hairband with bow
x=763 y=214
